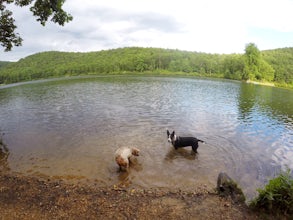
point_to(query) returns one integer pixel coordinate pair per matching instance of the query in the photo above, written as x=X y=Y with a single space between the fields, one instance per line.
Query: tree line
x=270 y=65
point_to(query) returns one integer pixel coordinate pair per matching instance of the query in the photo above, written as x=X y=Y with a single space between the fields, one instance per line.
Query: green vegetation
x=3 y=63
x=273 y=66
x=256 y=68
x=277 y=196
x=282 y=62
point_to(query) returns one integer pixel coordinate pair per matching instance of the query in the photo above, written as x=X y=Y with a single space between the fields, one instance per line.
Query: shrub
x=277 y=195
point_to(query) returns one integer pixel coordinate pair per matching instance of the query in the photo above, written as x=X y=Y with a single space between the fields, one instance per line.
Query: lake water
x=70 y=128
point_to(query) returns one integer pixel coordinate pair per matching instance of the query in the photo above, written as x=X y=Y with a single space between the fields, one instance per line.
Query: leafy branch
x=41 y=9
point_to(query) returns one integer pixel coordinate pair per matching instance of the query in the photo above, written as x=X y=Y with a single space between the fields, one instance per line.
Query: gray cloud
x=97 y=17
x=169 y=24
x=158 y=22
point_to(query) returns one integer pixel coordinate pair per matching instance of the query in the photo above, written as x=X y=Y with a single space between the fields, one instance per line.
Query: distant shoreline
x=261 y=83
x=154 y=74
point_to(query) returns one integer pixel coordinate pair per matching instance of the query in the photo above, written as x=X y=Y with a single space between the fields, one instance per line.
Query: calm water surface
x=69 y=129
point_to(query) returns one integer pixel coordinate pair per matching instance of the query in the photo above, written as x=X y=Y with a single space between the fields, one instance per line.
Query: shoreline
x=151 y=74
x=23 y=197
x=261 y=83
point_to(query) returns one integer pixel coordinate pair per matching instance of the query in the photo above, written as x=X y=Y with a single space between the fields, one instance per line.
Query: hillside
x=3 y=64
x=282 y=62
x=147 y=60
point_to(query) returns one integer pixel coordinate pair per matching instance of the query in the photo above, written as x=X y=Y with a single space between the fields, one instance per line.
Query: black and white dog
x=179 y=142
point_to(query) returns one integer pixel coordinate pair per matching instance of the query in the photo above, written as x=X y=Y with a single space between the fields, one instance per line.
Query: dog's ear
x=168 y=133
x=173 y=133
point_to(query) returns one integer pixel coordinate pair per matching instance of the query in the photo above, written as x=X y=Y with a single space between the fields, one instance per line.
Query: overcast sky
x=211 y=26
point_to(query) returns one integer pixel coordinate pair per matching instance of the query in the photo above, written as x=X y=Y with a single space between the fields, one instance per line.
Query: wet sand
x=23 y=197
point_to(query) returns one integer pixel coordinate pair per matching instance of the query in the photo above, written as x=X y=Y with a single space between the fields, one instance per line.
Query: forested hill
x=282 y=62
x=278 y=64
x=3 y=64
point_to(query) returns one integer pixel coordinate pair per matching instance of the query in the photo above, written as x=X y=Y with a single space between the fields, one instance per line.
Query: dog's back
x=124 y=152
x=187 y=141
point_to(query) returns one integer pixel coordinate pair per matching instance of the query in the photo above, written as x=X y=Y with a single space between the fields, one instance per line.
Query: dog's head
x=135 y=151
x=171 y=136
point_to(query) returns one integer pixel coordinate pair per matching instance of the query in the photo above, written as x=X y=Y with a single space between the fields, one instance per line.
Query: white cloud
x=208 y=26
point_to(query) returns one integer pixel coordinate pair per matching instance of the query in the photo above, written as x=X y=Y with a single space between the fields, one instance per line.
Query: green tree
x=255 y=66
x=42 y=9
x=266 y=71
x=233 y=66
x=139 y=63
x=252 y=60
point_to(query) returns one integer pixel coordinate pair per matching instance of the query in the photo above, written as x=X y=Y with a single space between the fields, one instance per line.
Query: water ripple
x=72 y=127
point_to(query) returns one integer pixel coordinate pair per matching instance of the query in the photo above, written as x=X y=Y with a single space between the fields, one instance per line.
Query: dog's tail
x=201 y=141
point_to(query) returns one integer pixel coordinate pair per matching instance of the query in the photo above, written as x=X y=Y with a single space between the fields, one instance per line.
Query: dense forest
x=3 y=63
x=267 y=66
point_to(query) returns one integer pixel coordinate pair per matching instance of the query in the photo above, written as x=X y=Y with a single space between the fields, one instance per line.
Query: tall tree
x=252 y=61
x=255 y=66
x=42 y=9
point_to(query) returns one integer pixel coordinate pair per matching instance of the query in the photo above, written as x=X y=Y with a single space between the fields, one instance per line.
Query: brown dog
x=123 y=154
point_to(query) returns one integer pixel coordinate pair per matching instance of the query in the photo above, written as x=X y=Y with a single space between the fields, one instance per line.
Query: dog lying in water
x=179 y=142
x=123 y=155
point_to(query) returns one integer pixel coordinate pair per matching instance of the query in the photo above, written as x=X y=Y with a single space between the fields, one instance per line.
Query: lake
x=69 y=129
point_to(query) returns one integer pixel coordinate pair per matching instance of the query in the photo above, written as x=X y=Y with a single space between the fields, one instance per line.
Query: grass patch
x=277 y=195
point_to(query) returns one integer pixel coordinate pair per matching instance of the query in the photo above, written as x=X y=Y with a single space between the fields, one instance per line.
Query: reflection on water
x=70 y=128
x=174 y=154
x=267 y=113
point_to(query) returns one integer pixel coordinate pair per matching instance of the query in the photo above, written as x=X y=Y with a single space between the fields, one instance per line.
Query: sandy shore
x=24 y=197
x=261 y=83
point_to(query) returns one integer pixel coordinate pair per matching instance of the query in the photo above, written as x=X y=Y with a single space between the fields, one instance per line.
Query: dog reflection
x=124 y=178
x=173 y=154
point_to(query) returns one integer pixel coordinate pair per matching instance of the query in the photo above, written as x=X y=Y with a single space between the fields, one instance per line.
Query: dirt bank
x=31 y=198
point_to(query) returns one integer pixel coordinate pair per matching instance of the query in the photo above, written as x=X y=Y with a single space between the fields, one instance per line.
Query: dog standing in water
x=179 y=142
x=123 y=155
